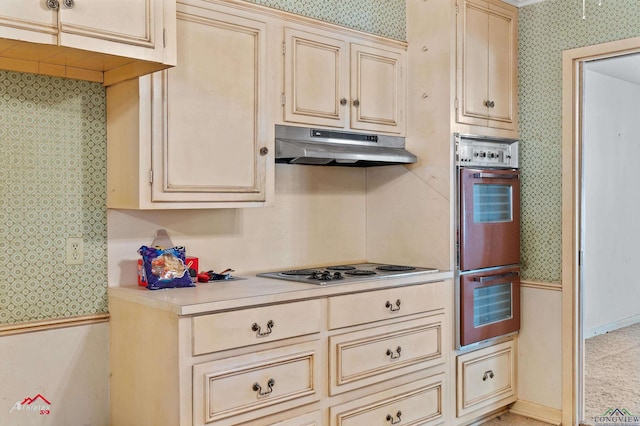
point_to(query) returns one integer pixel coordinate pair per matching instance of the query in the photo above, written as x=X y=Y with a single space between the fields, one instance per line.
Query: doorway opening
x=574 y=218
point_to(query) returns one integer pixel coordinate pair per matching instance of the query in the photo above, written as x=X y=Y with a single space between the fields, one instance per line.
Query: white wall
x=611 y=227
x=68 y=366
x=540 y=351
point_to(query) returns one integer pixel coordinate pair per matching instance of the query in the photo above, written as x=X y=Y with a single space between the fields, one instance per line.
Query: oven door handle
x=496 y=277
x=483 y=175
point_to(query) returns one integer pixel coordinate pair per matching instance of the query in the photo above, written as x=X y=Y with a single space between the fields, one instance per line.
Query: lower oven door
x=489 y=304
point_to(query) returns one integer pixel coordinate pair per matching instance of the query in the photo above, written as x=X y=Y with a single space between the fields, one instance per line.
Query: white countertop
x=224 y=295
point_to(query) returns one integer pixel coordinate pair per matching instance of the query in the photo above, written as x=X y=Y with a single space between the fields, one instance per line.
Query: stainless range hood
x=312 y=146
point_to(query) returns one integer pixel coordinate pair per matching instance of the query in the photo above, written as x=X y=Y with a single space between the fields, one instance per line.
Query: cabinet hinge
x=164 y=37
x=283 y=99
x=284 y=48
x=150 y=176
x=455 y=104
x=580 y=256
x=457 y=9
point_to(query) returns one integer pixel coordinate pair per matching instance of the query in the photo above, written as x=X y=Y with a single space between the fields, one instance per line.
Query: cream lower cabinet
x=88 y=39
x=245 y=387
x=486 y=380
x=417 y=404
x=487 y=64
x=281 y=364
x=195 y=136
x=332 y=80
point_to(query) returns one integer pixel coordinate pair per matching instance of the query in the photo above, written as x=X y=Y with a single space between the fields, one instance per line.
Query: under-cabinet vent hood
x=303 y=145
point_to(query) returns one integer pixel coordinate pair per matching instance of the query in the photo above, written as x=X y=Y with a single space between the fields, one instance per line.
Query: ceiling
x=624 y=67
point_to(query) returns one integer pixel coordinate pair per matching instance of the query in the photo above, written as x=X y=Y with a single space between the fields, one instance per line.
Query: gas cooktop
x=343 y=274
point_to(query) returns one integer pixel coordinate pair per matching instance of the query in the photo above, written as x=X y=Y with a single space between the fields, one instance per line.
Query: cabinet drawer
x=419 y=403
x=377 y=354
x=486 y=377
x=361 y=308
x=217 y=332
x=241 y=388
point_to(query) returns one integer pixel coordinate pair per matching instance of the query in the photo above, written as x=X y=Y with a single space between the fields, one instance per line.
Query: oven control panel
x=485 y=152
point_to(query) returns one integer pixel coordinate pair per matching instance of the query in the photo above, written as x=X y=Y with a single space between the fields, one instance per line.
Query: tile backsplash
x=52 y=187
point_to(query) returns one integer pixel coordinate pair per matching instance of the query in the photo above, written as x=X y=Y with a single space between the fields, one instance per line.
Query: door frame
x=572 y=342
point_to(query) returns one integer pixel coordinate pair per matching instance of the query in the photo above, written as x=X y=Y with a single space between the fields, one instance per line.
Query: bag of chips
x=165 y=268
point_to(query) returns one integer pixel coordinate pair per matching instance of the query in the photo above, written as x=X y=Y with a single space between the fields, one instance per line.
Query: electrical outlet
x=75 y=251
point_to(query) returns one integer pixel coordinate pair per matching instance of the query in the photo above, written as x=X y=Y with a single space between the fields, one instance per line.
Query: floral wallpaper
x=546 y=29
x=382 y=17
x=52 y=186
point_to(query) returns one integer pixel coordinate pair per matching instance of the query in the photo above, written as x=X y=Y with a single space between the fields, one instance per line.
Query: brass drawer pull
x=392 y=420
x=389 y=306
x=257 y=388
x=393 y=354
x=255 y=327
x=487 y=375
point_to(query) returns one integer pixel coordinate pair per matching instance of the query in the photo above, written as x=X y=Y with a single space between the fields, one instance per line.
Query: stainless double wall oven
x=488 y=238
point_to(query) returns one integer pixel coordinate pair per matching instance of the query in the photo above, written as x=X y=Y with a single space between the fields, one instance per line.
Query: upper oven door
x=489 y=218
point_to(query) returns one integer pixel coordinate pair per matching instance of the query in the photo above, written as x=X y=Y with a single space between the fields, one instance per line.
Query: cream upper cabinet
x=35 y=23
x=487 y=64
x=377 y=89
x=315 y=85
x=195 y=136
x=98 y=40
x=331 y=80
x=132 y=28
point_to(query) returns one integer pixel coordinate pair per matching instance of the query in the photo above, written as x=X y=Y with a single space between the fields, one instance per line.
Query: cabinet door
x=315 y=79
x=487 y=65
x=475 y=62
x=34 y=23
x=377 y=89
x=486 y=379
x=502 y=65
x=209 y=135
x=130 y=28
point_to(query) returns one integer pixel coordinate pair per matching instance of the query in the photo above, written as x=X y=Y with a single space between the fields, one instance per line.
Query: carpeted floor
x=612 y=372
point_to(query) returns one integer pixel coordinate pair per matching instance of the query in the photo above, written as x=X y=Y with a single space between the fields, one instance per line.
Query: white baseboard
x=537 y=412
x=605 y=328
